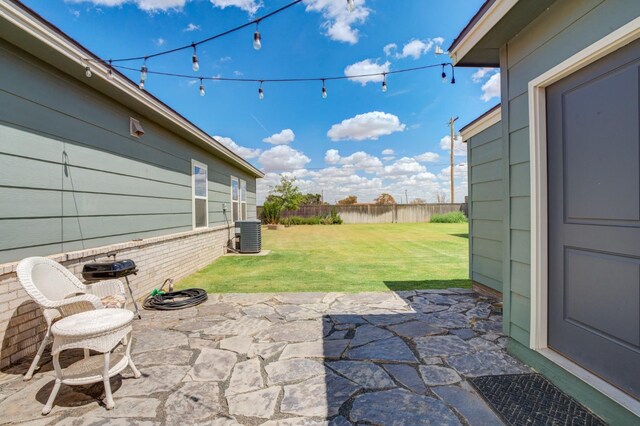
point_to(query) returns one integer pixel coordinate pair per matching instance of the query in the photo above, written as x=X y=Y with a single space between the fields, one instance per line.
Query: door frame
x=539 y=203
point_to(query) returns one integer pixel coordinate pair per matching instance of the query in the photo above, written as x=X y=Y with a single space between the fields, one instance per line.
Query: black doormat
x=530 y=399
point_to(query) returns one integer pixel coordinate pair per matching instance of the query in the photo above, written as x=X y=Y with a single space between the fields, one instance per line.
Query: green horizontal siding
x=71 y=176
x=487 y=206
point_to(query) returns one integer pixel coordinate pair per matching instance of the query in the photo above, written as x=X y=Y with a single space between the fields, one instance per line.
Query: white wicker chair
x=60 y=293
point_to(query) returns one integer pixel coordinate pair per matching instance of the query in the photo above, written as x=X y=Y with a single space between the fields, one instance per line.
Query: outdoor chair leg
x=56 y=387
x=34 y=363
x=136 y=372
x=107 y=385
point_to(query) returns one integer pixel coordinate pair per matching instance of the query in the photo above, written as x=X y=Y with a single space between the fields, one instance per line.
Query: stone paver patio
x=293 y=359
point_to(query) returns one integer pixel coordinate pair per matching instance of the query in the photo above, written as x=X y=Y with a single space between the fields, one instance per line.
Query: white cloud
x=225 y=59
x=479 y=75
x=428 y=157
x=403 y=167
x=389 y=158
x=338 y=21
x=491 y=89
x=146 y=5
x=192 y=27
x=370 y=125
x=159 y=41
x=75 y=13
x=390 y=49
x=249 y=6
x=459 y=172
x=283 y=158
x=367 y=67
x=459 y=148
x=357 y=161
x=332 y=156
x=242 y=151
x=283 y=138
x=388 y=151
x=415 y=48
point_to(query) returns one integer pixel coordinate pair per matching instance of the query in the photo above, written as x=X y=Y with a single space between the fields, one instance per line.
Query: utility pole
x=406 y=197
x=452 y=120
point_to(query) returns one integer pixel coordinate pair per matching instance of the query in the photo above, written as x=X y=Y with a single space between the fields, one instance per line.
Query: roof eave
x=70 y=57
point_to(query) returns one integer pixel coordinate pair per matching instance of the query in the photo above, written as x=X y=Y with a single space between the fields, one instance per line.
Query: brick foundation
x=171 y=256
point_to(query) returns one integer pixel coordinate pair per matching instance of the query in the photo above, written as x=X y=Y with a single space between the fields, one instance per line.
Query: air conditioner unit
x=249 y=235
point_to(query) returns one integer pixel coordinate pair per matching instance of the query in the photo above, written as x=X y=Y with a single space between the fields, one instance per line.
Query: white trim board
x=539 y=199
x=481 y=124
x=487 y=21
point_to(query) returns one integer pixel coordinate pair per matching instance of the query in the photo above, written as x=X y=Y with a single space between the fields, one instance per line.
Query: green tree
x=288 y=194
x=311 y=200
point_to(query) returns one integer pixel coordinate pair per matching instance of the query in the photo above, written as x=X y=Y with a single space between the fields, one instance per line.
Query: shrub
x=451 y=217
x=271 y=212
x=313 y=220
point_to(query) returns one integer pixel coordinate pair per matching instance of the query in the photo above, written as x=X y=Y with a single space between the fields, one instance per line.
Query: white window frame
x=243 y=203
x=203 y=166
x=539 y=204
x=233 y=178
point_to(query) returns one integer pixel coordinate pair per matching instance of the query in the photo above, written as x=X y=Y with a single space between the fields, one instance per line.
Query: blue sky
x=359 y=141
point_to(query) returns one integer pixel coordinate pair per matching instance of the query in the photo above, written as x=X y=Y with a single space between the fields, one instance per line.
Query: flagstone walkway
x=293 y=359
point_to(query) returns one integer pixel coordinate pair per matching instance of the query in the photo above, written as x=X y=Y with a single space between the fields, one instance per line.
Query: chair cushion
x=114 y=301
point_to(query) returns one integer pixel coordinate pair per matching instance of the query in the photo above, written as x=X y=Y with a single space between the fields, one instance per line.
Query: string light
x=444 y=75
x=143 y=71
x=206 y=40
x=300 y=79
x=141 y=85
x=351 y=5
x=110 y=71
x=257 y=39
x=201 y=87
x=195 y=66
x=87 y=71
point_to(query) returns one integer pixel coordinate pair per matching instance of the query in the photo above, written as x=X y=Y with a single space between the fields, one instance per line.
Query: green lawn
x=346 y=258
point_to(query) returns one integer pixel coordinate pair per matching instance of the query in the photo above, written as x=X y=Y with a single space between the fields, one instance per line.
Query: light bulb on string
x=351 y=5
x=143 y=71
x=110 y=71
x=257 y=38
x=260 y=92
x=87 y=71
x=453 y=75
x=444 y=75
x=384 y=82
x=202 y=93
x=324 y=91
x=195 y=66
x=141 y=85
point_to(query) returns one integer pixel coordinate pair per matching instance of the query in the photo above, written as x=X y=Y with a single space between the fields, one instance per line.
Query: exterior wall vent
x=135 y=128
x=250 y=235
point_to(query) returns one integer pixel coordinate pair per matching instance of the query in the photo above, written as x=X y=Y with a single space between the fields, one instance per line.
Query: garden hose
x=173 y=300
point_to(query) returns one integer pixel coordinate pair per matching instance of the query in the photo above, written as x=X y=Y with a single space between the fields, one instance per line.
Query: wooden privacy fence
x=374 y=213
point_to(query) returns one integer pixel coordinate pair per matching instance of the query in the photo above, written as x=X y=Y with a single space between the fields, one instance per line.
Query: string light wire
x=197 y=43
x=295 y=79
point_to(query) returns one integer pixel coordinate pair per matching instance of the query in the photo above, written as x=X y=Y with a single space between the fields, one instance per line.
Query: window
x=199 y=183
x=243 y=199
x=238 y=198
x=235 y=198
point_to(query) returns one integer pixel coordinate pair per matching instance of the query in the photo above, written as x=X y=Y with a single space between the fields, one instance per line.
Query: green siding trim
x=610 y=411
